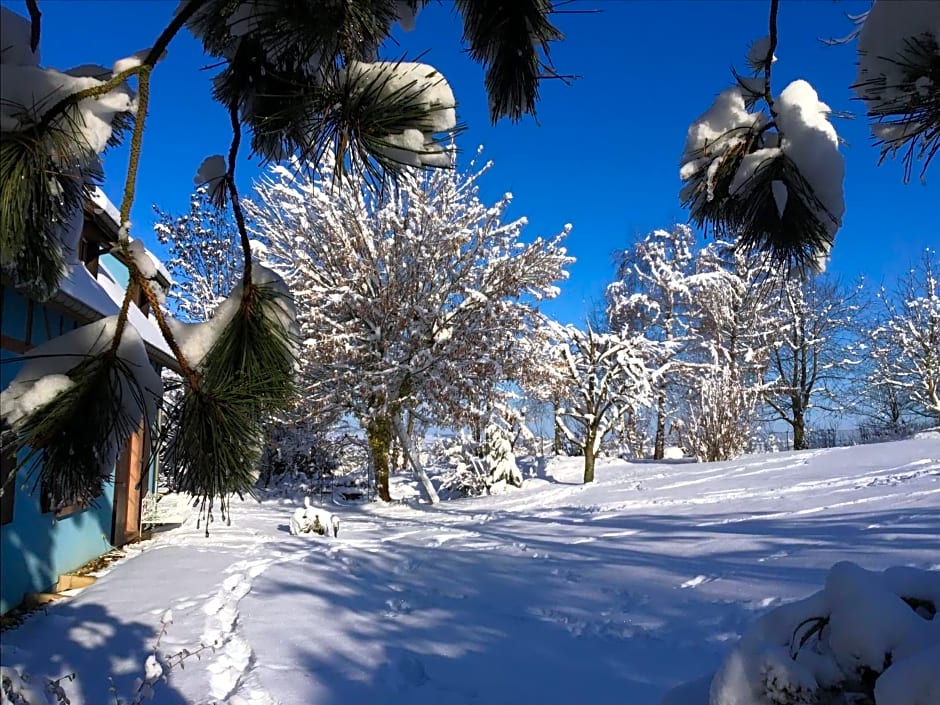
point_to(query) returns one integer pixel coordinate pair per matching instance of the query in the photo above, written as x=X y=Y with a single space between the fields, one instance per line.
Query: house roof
x=88 y=297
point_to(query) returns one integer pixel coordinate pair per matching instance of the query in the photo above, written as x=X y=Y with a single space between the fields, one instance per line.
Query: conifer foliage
x=770 y=177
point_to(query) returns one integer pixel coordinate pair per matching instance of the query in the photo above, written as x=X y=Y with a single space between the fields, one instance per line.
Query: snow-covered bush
x=309 y=519
x=298 y=452
x=482 y=468
x=866 y=638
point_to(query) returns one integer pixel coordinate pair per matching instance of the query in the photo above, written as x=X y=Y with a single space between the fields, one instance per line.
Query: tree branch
x=35 y=19
x=233 y=191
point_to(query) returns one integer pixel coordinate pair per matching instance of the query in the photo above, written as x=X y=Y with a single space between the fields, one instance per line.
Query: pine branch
x=35 y=18
x=233 y=191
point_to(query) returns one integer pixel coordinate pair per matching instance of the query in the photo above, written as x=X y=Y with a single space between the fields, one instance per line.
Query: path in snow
x=557 y=593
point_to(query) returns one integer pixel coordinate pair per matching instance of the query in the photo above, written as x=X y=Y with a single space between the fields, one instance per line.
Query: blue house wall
x=35 y=547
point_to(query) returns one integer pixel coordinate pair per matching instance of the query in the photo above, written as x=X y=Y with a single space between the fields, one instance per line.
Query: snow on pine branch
x=899 y=77
x=761 y=175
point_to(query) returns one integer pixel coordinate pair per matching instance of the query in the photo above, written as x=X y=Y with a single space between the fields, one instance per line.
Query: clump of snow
x=196 y=339
x=27 y=91
x=780 y=193
x=749 y=166
x=143 y=260
x=724 y=126
x=212 y=172
x=406 y=12
x=421 y=84
x=758 y=53
x=810 y=140
x=21 y=398
x=885 y=36
x=313 y=520
x=673 y=453
x=45 y=373
x=132 y=62
x=862 y=622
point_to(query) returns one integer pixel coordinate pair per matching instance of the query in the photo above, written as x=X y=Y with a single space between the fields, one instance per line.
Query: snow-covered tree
x=651 y=296
x=732 y=318
x=608 y=375
x=415 y=299
x=205 y=256
x=811 y=355
x=905 y=346
x=899 y=78
x=770 y=177
x=301 y=78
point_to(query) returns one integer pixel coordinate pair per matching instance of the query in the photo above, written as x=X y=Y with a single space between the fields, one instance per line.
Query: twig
x=769 y=59
x=233 y=192
x=35 y=20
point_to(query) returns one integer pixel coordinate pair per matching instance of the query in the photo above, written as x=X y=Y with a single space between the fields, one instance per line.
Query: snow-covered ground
x=555 y=593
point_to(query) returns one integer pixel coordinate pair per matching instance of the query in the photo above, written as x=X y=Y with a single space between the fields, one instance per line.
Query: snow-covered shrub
x=866 y=638
x=483 y=468
x=298 y=452
x=313 y=520
x=718 y=427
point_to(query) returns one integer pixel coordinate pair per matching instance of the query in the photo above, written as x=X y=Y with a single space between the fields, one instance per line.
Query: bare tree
x=906 y=344
x=607 y=376
x=811 y=355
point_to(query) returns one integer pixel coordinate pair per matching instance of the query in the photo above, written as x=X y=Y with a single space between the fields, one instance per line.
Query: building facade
x=38 y=543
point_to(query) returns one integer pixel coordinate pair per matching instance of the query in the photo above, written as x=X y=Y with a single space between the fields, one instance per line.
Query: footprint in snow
x=403 y=672
x=696 y=581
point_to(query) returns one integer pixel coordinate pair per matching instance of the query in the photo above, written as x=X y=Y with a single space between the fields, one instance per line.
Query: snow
x=869 y=626
x=424 y=85
x=758 y=53
x=406 y=12
x=555 y=593
x=44 y=374
x=143 y=259
x=310 y=520
x=810 y=140
x=884 y=36
x=723 y=126
x=196 y=339
x=28 y=91
x=780 y=193
x=212 y=172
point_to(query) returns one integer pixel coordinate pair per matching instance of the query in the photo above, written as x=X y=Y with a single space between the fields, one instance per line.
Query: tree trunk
x=379 y=435
x=589 y=459
x=659 y=448
x=556 y=441
x=799 y=431
x=404 y=440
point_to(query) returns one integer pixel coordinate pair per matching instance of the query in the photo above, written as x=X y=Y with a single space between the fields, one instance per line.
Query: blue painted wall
x=35 y=548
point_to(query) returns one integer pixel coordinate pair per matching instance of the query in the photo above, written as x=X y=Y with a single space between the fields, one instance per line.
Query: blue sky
x=603 y=152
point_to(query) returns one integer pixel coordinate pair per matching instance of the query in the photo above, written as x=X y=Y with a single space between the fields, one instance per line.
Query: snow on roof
x=104 y=295
x=101 y=200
